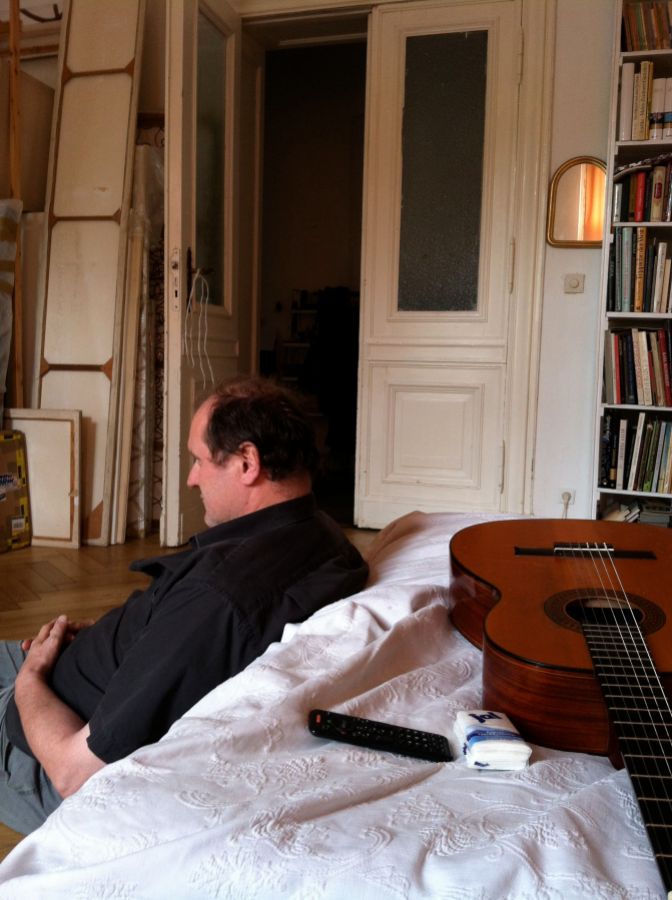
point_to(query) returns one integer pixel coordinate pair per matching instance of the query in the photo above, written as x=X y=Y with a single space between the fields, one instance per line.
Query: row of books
x=635 y=453
x=637 y=367
x=640 y=272
x=647 y=24
x=648 y=512
x=644 y=195
x=645 y=104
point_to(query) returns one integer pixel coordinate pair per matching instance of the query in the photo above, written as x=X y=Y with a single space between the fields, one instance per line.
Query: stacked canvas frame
x=88 y=197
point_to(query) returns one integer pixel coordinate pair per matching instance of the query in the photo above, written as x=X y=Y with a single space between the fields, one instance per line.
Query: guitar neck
x=641 y=717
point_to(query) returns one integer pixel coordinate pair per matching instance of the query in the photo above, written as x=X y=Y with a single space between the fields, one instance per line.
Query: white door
x=442 y=186
x=202 y=314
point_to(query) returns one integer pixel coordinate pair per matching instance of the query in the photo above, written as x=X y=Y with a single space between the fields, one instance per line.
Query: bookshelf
x=633 y=446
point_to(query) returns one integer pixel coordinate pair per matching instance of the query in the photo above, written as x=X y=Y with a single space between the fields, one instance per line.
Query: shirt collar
x=266 y=519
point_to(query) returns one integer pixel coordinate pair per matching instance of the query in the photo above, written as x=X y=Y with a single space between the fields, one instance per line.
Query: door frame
x=527 y=250
x=181 y=513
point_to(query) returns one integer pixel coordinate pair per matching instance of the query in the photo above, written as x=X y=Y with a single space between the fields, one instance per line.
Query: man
x=80 y=696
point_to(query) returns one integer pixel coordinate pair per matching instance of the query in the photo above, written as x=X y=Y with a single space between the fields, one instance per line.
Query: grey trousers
x=27 y=796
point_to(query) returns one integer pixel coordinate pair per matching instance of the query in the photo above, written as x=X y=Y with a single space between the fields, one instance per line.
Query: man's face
x=219 y=484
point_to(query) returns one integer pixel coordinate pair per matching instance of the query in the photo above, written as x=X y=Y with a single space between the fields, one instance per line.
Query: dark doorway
x=311 y=236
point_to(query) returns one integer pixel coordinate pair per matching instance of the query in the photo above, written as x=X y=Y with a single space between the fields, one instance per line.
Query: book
x=628 y=368
x=625 y=102
x=659 y=277
x=665 y=297
x=620 y=459
x=640 y=269
x=647 y=395
x=656 y=362
x=663 y=346
x=662 y=472
x=605 y=451
x=646 y=480
x=640 y=196
x=658 y=176
x=617 y=202
x=660 y=444
x=667 y=111
x=641 y=104
x=636 y=450
x=657 y=109
x=627 y=270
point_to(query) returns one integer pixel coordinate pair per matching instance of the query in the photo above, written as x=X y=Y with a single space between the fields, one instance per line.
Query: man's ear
x=250 y=463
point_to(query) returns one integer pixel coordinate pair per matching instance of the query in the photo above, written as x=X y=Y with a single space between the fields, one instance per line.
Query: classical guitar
x=575 y=622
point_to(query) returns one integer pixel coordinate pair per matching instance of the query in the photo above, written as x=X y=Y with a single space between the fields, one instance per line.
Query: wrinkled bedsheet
x=239 y=800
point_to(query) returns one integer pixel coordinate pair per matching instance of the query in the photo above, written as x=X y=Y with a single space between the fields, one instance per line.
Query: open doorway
x=310 y=244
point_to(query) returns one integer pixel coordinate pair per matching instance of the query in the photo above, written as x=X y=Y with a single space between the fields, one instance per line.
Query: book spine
x=667 y=110
x=620 y=459
x=637 y=356
x=657 y=110
x=647 y=394
x=640 y=196
x=665 y=298
x=656 y=367
x=661 y=486
x=618 y=202
x=605 y=451
x=625 y=103
x=636 y=129
x=640 y=269
x=659 y=278
x=626 y=302
x=658 y=177
x=636 y=448
x=665 y=365
x=615 y=346
x=660 y=443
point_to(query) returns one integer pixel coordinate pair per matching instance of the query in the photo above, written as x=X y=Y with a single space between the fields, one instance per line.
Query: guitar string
x=612 y=588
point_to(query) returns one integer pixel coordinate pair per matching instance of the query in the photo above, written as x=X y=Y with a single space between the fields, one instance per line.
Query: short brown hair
x=267 y=415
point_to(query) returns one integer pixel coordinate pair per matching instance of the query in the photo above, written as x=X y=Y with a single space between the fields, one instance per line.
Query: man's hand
x=72 y=629
x=56 y=734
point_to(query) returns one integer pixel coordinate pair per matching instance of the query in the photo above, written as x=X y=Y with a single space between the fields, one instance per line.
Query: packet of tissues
x=489 y=740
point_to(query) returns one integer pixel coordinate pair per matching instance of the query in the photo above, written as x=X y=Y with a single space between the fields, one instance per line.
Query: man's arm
x=56 y=735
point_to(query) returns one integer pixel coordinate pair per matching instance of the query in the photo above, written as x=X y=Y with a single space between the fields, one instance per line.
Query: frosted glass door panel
x=92 y=145
x=99 y=35
x=210 y=156
x=442 y=171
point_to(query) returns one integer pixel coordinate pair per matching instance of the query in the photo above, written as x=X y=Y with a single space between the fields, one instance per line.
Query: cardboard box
x=15 y=529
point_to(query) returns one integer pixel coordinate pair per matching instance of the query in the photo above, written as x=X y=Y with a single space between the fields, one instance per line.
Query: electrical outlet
x=563 y=496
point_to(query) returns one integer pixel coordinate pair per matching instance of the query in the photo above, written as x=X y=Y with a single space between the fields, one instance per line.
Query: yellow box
x=15 y=526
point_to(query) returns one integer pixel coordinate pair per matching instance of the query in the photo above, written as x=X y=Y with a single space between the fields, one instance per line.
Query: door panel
x=202 y=348
x=432 y=430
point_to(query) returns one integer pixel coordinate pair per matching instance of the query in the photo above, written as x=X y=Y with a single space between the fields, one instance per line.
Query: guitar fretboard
x=642 y=718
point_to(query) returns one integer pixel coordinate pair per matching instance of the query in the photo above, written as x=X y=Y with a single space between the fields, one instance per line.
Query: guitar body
x=521 y=604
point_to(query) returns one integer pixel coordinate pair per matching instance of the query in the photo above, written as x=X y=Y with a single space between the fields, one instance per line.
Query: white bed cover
x=239 y=800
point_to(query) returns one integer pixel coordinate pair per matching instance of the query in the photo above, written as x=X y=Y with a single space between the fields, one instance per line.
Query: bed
x=239 y=800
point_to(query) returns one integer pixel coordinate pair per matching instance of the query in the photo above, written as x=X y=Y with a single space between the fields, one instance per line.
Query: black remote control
x=378 y=735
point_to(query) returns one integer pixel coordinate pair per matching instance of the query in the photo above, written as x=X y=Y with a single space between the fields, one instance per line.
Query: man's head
x=253 y=446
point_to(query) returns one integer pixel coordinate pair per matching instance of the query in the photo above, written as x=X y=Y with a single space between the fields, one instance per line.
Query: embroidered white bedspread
x=239 y=800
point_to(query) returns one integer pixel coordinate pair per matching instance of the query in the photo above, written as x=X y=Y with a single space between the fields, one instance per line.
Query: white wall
x=568 y=370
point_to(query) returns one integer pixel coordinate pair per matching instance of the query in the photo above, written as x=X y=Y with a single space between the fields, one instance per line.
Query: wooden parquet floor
x=39 y=583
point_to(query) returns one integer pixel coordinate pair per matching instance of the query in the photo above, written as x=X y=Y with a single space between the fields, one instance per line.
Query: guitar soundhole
x=610 y=611
x=572 y=609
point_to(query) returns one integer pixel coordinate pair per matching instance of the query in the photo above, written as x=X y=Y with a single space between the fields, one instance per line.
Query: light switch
x=574 y=283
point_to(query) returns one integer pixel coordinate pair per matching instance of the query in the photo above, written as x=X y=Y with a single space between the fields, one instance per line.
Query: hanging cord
x=200 y=287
